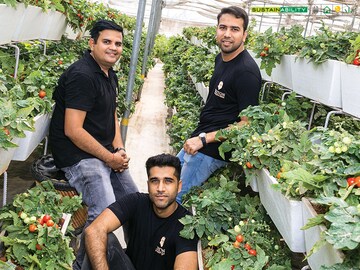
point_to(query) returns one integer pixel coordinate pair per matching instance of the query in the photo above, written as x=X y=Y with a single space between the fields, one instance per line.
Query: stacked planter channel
x=24 y=23
x=28 y=144
x=286 y=214
x=327 y=255
x=29 y=23
x=334 y=84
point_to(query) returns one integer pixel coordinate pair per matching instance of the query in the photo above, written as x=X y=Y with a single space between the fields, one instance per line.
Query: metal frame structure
x=339 y=15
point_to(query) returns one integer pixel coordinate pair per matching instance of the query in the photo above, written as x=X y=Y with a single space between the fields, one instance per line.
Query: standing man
x=235 y=84
x=153 y=219
x=85 y=137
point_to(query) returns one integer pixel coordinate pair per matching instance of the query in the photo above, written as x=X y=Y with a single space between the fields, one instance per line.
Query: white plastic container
x=201 y=88
x=54 y=27
x=8 y=21
x=282 y=73
x=318 y=82
x=253 y=181
x=32 y=139
x=327 y=255
x=30 y=24
x=285 y=213
x=350 y=75
x=6 y=156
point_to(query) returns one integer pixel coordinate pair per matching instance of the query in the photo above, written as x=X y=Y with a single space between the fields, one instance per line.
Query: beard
x=230 y=49
x=164 y=203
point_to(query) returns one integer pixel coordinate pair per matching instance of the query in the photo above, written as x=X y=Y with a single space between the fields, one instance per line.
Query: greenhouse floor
x=146 y=136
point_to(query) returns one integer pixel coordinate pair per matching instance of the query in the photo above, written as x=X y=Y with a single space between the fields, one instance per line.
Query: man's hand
x=192 y=145
x=120 y=161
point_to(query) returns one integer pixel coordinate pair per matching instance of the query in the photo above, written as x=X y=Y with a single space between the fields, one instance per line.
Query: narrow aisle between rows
x=146 y=134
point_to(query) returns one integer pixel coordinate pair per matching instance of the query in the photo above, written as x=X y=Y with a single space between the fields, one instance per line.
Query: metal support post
x=148 y=37
x=329 y=115
x=288 y=93
x=158 y=10
x=312 y=114
x=133 y=63
x=262 y=91
x=308 y=18
x=17 y=58
x=43 y=42
x=261 y=18
x=5 y=188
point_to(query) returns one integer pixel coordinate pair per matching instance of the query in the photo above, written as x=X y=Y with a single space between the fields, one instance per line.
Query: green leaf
x=311 y=222
x=186 y=220
x=343 y=236
x=316 y=247
x=223 y=238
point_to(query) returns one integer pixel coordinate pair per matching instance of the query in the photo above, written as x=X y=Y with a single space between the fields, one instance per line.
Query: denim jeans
x=116 y=256
x=100 y=186
x=196 y=169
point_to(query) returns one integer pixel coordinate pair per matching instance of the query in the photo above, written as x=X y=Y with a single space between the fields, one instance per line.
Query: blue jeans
x=196 y=169
x=100 y=186
x=115 y=255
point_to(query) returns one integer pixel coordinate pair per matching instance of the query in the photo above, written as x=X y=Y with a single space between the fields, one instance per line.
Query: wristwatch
x=202 y=137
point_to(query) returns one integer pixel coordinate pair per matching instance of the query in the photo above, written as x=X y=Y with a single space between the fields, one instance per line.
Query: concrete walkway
x=146 y=134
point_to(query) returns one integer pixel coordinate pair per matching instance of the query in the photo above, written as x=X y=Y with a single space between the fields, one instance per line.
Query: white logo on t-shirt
x=220 y=85
x=161 y=250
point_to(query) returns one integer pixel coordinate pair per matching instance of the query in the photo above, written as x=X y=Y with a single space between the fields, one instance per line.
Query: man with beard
x=235 y=85
x=153 y=221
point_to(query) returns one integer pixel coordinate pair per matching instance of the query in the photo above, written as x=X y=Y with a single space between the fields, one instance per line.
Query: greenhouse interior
x=286 y=193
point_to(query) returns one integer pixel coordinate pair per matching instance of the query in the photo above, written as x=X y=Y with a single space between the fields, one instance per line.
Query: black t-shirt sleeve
x=80 y=92
x=183 y=244
x=125 y=207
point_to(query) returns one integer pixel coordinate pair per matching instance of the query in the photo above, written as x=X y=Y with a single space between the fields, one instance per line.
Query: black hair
x=104 y=25
x=237 y=12
x=163 y=160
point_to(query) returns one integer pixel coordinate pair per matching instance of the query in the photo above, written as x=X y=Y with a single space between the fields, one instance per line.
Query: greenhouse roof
x=339 y=15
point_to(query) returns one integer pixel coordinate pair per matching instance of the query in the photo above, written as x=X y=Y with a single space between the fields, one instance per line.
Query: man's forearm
x=89 y=144
x=118 y=142
x=211 y=136
x=96 y=244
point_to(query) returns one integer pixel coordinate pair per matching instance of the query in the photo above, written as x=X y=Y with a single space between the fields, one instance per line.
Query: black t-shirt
x=233 y=87
x=154 y=242
x=83 y=86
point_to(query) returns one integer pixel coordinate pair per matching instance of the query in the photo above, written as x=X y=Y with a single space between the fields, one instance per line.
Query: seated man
x=153 y=221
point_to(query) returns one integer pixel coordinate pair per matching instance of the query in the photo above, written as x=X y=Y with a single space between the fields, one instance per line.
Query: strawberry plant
x=178 y=86
x=235 y=232
x=204 y=34
x=353 y=56
x=32 y=224
x=326 y=45
x=342 y=220
x=269 y=46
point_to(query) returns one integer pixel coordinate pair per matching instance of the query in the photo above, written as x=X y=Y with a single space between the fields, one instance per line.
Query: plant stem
x=348 y=192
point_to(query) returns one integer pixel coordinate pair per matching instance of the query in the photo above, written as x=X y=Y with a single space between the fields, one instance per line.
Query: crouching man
x=153 y=221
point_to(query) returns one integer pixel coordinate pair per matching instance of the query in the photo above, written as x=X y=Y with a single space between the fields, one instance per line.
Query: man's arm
x=96 y=238
x=74 y=121
x=192 y=145
x=186 y=261
x=118 y=143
